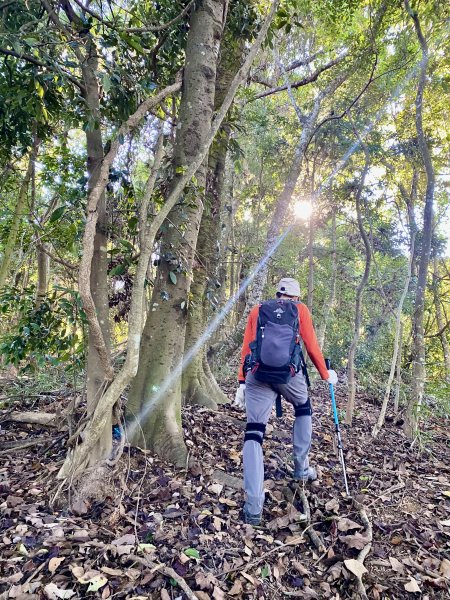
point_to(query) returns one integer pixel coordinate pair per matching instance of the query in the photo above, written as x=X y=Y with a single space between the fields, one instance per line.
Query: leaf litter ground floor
x=156 y=532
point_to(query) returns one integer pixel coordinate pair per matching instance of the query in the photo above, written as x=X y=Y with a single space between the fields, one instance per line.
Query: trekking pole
x=337 y=430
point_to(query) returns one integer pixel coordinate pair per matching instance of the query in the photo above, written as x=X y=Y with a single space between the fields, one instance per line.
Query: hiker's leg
x=259 y=398
x=296 y=392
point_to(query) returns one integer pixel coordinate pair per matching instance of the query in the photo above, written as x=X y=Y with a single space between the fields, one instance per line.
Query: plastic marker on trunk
x=337 y=430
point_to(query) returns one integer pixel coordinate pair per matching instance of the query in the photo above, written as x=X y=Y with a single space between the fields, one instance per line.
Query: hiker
x=271 y=365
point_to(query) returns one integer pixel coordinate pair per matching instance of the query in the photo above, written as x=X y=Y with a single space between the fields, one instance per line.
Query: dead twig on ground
x=6 y=447
x=314 y=537
x=165 y=570
x=365 y=551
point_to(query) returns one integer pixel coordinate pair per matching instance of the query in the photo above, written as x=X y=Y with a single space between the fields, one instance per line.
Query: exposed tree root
x=313 y=535
x=365 y=551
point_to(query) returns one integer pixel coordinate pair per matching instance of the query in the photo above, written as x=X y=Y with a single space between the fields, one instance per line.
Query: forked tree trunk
x=95 y=373
x=330 y=301
x=77 y=459
x=163 y=338
x=359 y=294
x=199 y=387
x=418 y=354
x=440 y=320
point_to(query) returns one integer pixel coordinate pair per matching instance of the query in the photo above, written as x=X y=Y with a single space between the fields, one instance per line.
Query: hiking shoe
x=251 y=519
x=309 y=474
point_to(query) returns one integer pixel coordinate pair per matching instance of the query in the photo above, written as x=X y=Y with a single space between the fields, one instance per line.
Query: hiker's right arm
x=249 y=336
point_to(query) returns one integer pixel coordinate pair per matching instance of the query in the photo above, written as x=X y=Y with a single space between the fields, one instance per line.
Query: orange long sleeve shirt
x=307 y=334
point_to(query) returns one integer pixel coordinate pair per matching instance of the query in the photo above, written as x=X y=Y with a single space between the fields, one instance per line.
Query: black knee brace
x=304 y=410
x=250 y=432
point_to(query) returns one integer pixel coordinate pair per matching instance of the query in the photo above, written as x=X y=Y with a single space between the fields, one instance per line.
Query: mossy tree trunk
x=163 y=339
x=198 y=386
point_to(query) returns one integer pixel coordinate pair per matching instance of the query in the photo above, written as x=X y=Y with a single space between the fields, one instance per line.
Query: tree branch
x=34 y=61
x=155 y=28
x=310 y=79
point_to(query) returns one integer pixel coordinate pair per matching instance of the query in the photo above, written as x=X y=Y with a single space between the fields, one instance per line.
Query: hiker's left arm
x=309 y=337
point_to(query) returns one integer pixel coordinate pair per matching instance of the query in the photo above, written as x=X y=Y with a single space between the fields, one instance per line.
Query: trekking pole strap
x=278 y=406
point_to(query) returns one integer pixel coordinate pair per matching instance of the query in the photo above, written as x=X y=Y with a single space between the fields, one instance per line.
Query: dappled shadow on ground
x=157 y=518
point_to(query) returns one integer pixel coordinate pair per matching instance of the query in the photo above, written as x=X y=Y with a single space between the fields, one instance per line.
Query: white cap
x=289 y=287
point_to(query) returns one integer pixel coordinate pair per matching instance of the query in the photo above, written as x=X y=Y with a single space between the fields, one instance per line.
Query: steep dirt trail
x=165 y=533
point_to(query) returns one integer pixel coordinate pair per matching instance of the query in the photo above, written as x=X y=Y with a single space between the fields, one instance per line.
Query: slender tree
x=418 y=353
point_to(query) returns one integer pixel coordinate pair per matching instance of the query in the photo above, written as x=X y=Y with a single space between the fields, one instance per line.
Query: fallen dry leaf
x=53 y=592
x=357 y=541
x=113 y=572
x=347 y=525
x=218 y=594
x=412 y=585
x=356 y=567
x=444 y=568
x=396 y=565
x=301 y=570
x=54 y=563
x=237 y=589
x=332 y=505
x=125 y=540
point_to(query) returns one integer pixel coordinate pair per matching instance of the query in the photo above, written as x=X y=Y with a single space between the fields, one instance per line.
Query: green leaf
x=117 y=270
x=172 y=277
x=106 y=82
x=57 y=214
x=192 y=553
x=265 y=571
x=40 y=90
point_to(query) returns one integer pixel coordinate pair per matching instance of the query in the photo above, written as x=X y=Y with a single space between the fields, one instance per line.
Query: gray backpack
x=276 y=353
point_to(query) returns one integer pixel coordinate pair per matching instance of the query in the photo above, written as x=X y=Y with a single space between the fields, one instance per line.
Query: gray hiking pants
x=259 y=399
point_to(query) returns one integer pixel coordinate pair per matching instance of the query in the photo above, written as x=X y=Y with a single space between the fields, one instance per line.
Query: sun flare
x=303 y=210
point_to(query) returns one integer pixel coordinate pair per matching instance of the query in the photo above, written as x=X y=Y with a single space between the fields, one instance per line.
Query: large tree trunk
x=17 y=217
x=418 y=351
x=199 y=387
x=440 y=320
x=164 y=332
x=95 y=373
x=359 y=294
